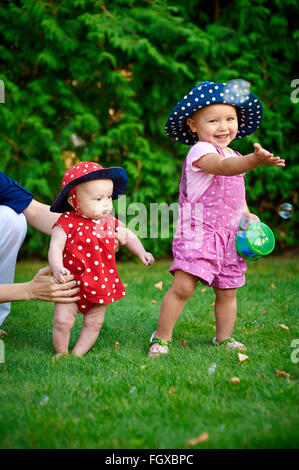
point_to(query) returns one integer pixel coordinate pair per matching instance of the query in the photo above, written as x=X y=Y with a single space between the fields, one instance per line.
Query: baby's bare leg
x=64 y=319
x=225 y=312
x=92 y=324
x=174 y=301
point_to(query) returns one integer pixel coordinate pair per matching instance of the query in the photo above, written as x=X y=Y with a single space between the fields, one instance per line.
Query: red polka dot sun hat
x=88 y=171
x=248 y=107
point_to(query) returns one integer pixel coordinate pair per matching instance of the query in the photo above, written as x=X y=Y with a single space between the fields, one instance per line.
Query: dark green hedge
x=111 y=72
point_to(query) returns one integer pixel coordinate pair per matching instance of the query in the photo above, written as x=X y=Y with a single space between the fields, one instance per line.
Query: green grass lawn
x=119 y=398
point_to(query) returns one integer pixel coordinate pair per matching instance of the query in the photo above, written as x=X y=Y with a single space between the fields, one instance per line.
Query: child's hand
x=147 y=258
x=58 y=275
x=251 y=216
x=266 y=158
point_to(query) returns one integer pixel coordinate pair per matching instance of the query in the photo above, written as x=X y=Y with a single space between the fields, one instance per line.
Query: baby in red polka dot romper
x=82 y=243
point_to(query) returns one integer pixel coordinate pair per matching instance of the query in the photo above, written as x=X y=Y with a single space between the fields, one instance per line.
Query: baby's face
x=94 y=198
x=216 y=123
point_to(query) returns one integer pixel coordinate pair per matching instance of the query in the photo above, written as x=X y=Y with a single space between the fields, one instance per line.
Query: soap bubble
x=212 y=368
x=237 y=91
x=285 y=210
x=44 y=400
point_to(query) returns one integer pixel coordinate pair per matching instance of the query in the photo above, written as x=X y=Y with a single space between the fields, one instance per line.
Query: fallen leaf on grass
x=282 y=373
x=242 y=357
x=154 y=301
x=171 y=390
x=203 y=290
x=143 y=367
x=204 y=436
x=3 y=333
x=235 y=380
x=212 y=326
x=212 y=304
x=116 y=345
x=183 y=342
x=159 y=285
x=272 y=286
x=285 y=327
x=125 y=285
x=265 y=312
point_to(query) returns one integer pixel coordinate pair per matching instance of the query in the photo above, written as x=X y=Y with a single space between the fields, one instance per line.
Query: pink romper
x=89 y=256
x=204 y=242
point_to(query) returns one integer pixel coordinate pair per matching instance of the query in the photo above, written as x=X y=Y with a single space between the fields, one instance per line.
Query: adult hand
x=43 y=287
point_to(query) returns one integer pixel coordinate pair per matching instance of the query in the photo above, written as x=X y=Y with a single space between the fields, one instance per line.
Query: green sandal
x=158 y=346
x=230 y=343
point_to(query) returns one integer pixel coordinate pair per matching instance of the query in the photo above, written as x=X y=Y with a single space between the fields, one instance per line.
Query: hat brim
x=249 y=110
x=117 y=174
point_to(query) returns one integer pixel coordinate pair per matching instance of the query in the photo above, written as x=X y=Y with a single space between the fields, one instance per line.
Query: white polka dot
x=86 y=283
x=111 y=271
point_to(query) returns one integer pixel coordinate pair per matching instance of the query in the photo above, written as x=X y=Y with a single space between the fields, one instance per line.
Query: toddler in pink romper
x=211 y=203
x=204 y=242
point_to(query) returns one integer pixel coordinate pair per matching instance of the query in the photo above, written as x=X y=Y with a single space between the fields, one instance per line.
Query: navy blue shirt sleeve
x=13 y=194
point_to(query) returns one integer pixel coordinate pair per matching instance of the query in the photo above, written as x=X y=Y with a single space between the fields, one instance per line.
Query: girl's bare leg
x=64 y=319
x=182 y=289
x=225 y=312
x=92 y=324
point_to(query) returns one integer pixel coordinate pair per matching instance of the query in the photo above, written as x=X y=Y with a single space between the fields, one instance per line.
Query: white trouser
x=13 y=228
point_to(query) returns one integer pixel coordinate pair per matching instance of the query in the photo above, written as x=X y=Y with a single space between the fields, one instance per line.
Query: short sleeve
x=65 y=221
x=13 y=194
x=197 y=151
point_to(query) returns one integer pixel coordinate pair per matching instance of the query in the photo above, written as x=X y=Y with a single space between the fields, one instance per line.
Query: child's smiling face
x=217 y=124
x=94 y=198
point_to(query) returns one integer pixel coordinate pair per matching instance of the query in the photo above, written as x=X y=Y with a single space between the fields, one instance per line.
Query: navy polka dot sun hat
x=248 y=107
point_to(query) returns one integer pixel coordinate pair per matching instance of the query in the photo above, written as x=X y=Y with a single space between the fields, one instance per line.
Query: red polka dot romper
x=89 y=256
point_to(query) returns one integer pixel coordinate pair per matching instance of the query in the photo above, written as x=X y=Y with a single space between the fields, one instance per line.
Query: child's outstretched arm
x=132 y=242
x=216 y=164
x=55 y=254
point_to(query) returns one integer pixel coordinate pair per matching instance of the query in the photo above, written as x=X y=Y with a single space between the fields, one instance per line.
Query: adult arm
x=39 y=216
x=41 y=287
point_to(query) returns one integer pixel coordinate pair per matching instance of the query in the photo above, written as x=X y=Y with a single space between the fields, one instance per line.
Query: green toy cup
x=256 y=241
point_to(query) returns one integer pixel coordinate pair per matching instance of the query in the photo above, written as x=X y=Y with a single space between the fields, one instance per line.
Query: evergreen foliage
x=89 y=80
